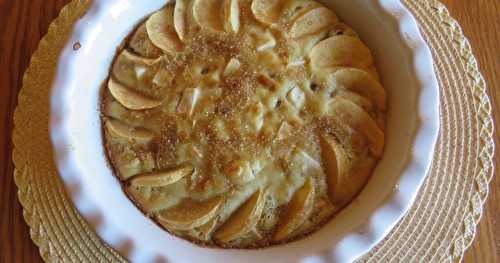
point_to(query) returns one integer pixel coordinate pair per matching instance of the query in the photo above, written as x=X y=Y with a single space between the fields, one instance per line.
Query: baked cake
x=243 y=124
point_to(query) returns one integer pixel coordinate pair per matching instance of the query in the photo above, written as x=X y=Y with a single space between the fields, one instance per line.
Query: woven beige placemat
x=439 y=227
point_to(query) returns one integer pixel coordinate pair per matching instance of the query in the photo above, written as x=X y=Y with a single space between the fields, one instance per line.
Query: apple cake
x=240 y=123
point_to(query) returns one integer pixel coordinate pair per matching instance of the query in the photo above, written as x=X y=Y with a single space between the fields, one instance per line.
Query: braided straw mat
x=439 y=227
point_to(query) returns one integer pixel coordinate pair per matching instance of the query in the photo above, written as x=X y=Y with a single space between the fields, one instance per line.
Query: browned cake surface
x=243 y=123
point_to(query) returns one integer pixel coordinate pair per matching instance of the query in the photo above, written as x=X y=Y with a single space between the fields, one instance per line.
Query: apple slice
x=297 y=97
x=138 y=59
x=363 y=83
x=243 y=220
x=163 y=178
x=208 y=14
x=336 y=165
x=141 y=44
x=350 y=114
x=267 y=11
x=232 y=67
x=121 y=130
x=207 y=229
x=188 y=101
x=357 y=99
x=231 y=12
x=298 y=211
x=340 y=50
x=294 y=9
x=263 y=40
x=180 y=18
x=131 y=99
x=163 y=78
x=190 y=214
x=161 y=30
x=285 y=130
x=313 y=22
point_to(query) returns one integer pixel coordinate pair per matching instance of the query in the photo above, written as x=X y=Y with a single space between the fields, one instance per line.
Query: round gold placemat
x=439 y=227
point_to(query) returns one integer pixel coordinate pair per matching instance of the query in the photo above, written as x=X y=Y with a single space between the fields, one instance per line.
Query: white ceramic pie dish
x=404 y=61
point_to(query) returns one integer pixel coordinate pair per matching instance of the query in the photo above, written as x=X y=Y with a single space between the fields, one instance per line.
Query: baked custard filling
x=240 y=123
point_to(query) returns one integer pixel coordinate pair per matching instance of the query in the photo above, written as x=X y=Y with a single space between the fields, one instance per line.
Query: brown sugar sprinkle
x=164 y=147
x=236 y=96
x=214 y=45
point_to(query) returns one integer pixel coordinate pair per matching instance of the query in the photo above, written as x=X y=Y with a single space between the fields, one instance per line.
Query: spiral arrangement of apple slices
x=314 y=177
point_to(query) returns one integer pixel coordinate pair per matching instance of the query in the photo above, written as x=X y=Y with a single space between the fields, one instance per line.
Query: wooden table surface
x=24 y=22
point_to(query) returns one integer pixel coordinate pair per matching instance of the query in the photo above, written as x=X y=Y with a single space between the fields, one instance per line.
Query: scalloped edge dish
x=406 y=66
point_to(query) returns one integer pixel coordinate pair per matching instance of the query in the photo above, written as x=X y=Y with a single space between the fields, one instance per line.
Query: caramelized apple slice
x=362 y=83
x=190 y=214
x=231 y=11
x=163 y=178
x=340 y=51
x=294 y=9
x=132 y=134
x=313 y=22
x=356 y=118
x=180 y=18
x=138 y=59
x=161 y=30
x=336 y=165
x=267 y=11
x=357 y=99
x=131 y=99
x=298 y=211
x=207 y=229
x=207 y=13
x=243 y=220
x=142 y=45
